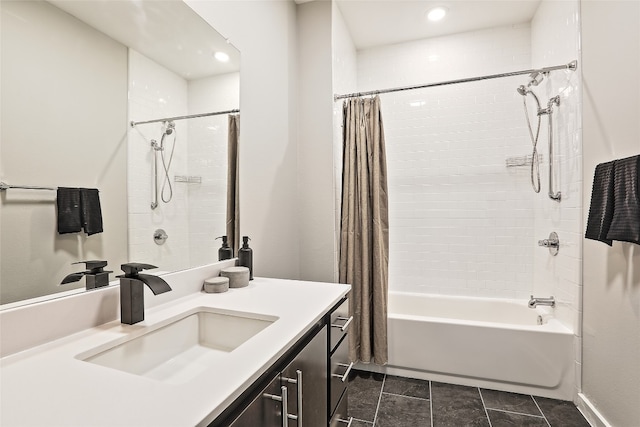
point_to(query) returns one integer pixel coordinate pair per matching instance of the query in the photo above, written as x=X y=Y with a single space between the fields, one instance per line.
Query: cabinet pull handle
x=298 y=382
x=347 y=422
x=346 y=324
x=299 y=392
x=344 y=377
x=284 y=397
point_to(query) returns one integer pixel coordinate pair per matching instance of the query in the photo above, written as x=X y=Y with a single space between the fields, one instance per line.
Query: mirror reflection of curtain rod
x=191 y=116
x=573 y=65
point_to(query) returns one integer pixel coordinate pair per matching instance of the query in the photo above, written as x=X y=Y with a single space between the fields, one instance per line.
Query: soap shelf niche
x=188 y=179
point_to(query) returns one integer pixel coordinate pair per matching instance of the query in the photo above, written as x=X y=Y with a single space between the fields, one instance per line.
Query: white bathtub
x=482 y=342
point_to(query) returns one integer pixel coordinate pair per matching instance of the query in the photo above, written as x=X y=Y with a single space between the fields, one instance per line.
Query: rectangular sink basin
x=183 y=347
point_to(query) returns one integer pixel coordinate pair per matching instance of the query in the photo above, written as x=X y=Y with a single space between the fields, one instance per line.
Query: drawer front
x=340 y=323
x=340 y=368
x=340 y=417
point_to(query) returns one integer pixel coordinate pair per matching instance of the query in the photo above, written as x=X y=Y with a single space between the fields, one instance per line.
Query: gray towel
x=69 y=216
x=614 y=213
x=602 y=203
x=91 y=211
x=625 y=225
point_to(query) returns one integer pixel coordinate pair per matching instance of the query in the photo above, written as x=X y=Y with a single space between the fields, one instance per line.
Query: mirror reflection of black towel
x=91 y=211
x=79 y=208
x=69 y=216
x=614 y=213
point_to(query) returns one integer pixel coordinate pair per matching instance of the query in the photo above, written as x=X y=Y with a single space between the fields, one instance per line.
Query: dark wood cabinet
x=307 y=387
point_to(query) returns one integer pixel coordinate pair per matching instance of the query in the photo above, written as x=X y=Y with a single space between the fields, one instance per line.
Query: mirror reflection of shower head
x=169 y=127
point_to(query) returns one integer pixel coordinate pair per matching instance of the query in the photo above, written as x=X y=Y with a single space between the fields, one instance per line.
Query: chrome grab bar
x=552 y=195
x=344 y=376
x=346 y=324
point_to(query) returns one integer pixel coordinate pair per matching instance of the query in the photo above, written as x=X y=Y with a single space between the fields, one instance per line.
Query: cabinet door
x=310 y=368
x=264 y=410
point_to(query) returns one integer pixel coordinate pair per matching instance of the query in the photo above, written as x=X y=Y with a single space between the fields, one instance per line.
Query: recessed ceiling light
x=221 y=56
x=437 y=13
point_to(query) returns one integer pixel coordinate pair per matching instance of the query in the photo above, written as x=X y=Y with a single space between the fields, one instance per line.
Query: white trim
x=590 y=412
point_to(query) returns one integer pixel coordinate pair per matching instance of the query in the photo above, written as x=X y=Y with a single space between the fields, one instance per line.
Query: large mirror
x=74 y=75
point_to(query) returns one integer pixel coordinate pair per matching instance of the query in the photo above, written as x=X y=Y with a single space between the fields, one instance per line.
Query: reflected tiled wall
x=196 y=214
x=155 y=92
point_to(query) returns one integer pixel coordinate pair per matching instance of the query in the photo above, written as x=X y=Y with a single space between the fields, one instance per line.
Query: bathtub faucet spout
x=534 y=302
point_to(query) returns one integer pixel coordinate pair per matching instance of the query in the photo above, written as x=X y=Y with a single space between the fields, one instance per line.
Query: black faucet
x=97 y=277
x=132 y=291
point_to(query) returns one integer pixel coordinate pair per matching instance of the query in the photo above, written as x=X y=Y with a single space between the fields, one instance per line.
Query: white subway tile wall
x=461 y=222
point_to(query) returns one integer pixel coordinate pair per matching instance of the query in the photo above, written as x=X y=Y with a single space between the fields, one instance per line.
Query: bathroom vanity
x=197 y=359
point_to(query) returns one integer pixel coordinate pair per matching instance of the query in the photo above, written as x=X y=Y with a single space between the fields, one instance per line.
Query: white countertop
x=48 y=386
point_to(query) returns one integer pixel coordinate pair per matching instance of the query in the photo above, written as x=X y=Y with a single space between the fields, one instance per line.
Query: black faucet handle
x=132 y=269
x=94 y=266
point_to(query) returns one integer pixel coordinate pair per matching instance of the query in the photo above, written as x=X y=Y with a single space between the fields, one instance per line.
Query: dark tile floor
x=378 y=400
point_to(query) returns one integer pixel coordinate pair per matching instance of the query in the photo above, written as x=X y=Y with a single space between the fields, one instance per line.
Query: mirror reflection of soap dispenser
x=225 y=252
x=245 y=256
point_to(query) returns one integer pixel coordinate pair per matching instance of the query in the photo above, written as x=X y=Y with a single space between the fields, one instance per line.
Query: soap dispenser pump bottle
x=225 y=252
x=245 y=256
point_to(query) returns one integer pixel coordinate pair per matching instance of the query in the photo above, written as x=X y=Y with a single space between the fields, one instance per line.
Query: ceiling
x=169 y=32
x=381 y=22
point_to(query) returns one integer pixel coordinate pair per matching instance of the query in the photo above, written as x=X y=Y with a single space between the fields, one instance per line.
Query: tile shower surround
x=378 y=400
x=461 y=223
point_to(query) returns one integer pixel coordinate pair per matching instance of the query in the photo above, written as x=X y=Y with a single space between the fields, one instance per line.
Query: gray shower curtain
x=364 y=228
x=233 y=188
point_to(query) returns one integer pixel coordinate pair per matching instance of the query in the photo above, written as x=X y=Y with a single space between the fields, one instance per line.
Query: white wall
x=64 y=98
x=461 y=222
x=265 y=34
x=315 y=142
x=345 y=78
x=611 y=275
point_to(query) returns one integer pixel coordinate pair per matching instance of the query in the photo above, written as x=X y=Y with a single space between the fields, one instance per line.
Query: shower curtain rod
x=191 y=116
x=573 y=65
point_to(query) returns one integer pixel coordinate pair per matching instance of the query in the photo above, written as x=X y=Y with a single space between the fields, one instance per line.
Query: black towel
x=625 y=225
x=69 y=215
x=91 y=211
x=602 y=204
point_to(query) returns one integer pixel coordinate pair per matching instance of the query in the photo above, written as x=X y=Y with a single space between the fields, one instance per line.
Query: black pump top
x=225 y=244
x=245 y=242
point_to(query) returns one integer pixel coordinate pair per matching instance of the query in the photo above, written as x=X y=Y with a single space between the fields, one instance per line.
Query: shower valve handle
x=553 y=243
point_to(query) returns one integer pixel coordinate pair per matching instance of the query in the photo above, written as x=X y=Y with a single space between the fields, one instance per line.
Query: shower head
x=522 y=90
x=536 y=78
x=169 y=127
